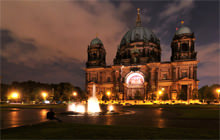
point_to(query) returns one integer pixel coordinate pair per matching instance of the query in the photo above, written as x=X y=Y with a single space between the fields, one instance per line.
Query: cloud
x=165 y=52
x=61 y=29
x=170 y=17
x=60 y=71
x=25 y=51
x=209 y=57
x=176 y=7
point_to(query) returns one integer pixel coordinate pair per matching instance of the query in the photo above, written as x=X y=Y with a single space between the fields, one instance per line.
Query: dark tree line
x=208 y=93
x=31 y=91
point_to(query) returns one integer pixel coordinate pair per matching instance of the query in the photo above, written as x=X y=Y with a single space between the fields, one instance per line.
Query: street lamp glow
x=74 y=93
x=108 y=93
x=160 y=92
x=14 y=95
x=44 y=94
x=163 y=89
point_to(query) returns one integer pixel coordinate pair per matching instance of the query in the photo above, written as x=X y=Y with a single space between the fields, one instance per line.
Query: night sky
x=47 y=41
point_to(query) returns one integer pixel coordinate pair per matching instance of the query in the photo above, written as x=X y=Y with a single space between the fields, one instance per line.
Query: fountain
x=110 y=108
x=92 y=107
x=93 y=103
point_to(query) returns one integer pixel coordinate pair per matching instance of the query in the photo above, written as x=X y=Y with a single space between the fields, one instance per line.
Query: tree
x=207 y=93
x=152 y=96
x=201 y=93
x=195 y=94
x=31 y=91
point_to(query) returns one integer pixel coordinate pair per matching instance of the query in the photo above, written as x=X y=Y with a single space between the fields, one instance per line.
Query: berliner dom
x=137 y=70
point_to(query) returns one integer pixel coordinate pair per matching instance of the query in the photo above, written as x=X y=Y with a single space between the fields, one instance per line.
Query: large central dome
x=138 y=46
x=138 y=34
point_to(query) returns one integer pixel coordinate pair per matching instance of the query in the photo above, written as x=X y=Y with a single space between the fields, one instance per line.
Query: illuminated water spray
x=93 y=102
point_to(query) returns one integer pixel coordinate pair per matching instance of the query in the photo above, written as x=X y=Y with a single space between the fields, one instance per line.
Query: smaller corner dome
x=96 y=41
x=183 y=30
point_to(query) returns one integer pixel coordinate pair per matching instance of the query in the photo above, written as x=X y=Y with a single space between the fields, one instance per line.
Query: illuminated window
x=135 y=78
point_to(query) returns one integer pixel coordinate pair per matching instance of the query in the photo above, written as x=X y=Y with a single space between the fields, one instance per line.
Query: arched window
x=185 y=47
x=94 y=55
x=135 y=78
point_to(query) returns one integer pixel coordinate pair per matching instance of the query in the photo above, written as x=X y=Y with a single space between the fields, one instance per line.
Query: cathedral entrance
x=135 y=86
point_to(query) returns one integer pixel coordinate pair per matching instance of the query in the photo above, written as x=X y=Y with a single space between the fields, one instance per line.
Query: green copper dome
x=96 y=41
x=183 y=30
x=137 y=34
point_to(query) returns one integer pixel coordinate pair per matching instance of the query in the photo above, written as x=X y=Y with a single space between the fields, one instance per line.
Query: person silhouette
x=51 y=115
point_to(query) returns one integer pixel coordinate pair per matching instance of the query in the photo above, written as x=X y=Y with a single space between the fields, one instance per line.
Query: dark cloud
x=56 y=72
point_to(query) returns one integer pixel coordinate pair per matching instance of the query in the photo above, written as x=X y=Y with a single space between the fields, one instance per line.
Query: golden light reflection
x=109 y=120
x=14 y=118
x=161 y=123
x=43 y=114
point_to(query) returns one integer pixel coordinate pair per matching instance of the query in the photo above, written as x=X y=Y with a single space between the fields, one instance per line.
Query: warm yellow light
x=160 y=92
x=108 y=93
x=44 y=94
x=110 y=108
x=74 y=93
x=163 y=89
x=14 y=95
x=218 y=91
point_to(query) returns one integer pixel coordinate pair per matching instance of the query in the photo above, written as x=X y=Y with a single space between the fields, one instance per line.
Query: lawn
x=187 y=111
x=55 y=130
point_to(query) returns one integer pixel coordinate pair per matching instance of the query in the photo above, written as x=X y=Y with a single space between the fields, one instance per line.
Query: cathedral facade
x=138 y=73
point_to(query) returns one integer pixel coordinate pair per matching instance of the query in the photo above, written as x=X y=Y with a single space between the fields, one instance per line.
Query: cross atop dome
x=138 y=20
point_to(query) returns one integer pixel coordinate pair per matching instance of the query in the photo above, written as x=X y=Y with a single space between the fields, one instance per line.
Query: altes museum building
x=138 y=72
